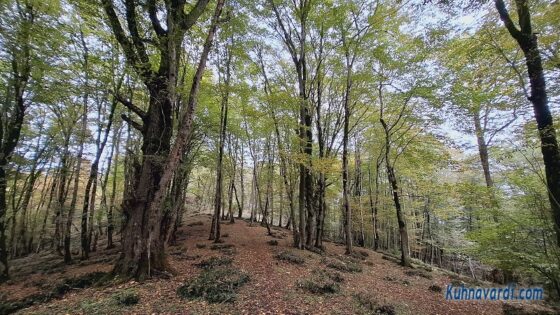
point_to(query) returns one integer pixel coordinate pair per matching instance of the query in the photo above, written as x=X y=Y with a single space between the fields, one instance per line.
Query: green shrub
x=361 y=254
x=272 y=242
x=81 y=282
x=343 y=266
x=290 y=257
x=84 y=281
x=331 y=274
x=127 y=298
x=214 y=262
x=370 y=303
x=216 y=285
x=10 y=306
x=316 y=250
x=321 y=282
x=221 y=246
x=226 y=249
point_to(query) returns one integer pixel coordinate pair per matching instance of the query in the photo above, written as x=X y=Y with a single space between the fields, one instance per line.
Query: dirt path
x=273 y=286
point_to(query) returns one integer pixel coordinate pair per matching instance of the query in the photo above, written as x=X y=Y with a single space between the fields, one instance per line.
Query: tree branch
x=135 y=125
x=152 y=12
x=188 y=20
x=142 y=69
x=137 y=110
x=133 y=28
x=504 y=16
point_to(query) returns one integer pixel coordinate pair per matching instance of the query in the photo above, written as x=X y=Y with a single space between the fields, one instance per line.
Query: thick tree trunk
x=528 y=42
x=10 y=130
x=405 y=251
x=484 y=161
x=143 y=252
x=143 y=245
x=230 y=199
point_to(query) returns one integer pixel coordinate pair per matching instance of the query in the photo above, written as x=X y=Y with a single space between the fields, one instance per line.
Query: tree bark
x=305 y=133
x=483 y=150
x=346 y=201
x=215 y=230
x=61 y=194
x=405 y=251
x=115 y=148
x=143 y=246
x=10 y=130
x=70 y=217
x=527 y=41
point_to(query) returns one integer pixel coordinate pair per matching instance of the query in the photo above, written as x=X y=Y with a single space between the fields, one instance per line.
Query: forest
x=420 y=132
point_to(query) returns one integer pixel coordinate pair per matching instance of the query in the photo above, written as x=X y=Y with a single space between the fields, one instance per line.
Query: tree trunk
x=528 y=42
x=68 y=230
x=142 y=250
x=483 y=150
x=111 y=207
x=143 y=246
x=91 y=185
x=52 y=194
x=10 y=130
x=215 y=230
x=70 y=217
x=374 y=200
x=345 y=179
x=4 y=273
x=21 y=241
x=405 y=252
x=61 y=195
x=241 y=180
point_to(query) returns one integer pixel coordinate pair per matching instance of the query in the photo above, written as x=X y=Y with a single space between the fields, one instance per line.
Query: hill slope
x=274 y=286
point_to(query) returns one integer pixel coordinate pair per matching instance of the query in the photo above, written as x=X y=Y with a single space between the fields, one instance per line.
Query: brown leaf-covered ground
x=272 y=289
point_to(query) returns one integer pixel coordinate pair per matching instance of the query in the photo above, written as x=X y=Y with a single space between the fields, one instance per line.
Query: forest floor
x=371 y=284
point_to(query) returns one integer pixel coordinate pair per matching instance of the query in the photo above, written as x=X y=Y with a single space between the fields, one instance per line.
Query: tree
x=528 y=42
x=296 y=23
x=352 y=33
x=215 y=231
x=143 y=246
x=20 y=48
